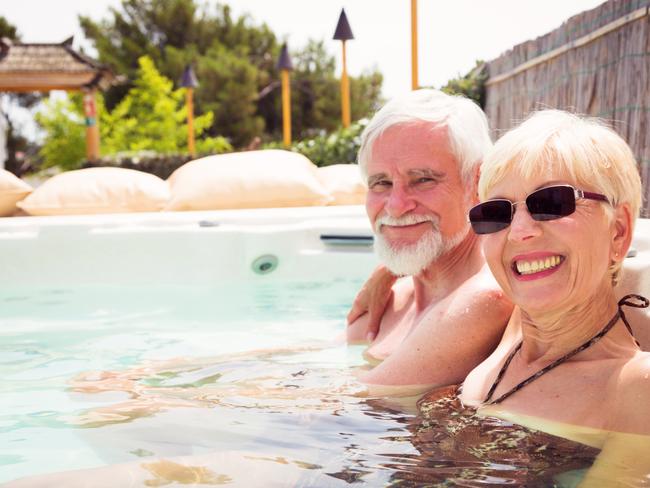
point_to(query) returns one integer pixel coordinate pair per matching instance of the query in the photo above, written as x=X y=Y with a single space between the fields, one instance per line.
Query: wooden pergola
x=43 y=67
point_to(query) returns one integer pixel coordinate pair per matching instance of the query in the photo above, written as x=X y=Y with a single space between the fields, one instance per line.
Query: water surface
x=232 y=380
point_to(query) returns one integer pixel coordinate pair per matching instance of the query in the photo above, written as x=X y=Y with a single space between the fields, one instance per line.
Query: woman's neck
x=548 y=336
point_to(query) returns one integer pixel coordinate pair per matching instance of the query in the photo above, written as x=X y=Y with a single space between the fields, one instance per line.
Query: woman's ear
x=621 y=232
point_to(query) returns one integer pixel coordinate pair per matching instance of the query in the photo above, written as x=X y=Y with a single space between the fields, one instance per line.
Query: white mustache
x=409 y=219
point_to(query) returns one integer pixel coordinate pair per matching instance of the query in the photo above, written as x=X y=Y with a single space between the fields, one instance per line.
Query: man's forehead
x=411 y=157
x=418 y=140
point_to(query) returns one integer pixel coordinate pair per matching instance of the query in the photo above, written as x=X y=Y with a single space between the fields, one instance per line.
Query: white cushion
x=98 y=190
x=250 y=179
x=12 y=190
x=344 y=184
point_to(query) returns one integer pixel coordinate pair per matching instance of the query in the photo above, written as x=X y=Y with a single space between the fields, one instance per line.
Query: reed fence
x=595 y=63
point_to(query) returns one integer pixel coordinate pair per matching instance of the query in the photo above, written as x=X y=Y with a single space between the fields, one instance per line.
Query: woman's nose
x=523 y=226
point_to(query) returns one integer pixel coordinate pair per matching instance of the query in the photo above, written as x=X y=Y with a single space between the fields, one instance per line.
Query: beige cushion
x=343 y=182
x=12 y=190
x=251 y=179
x=98 y=190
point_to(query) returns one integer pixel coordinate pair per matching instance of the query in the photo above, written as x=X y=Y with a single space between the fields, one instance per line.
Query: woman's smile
x=534 y=266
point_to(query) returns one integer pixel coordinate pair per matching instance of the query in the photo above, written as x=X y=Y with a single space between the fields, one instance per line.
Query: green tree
x=317 y=99
x=228 y=55
x=152 y=116
x=65 y=144
x=316 y=94
x=234 y=59
x=7 y=29
x=229 y=90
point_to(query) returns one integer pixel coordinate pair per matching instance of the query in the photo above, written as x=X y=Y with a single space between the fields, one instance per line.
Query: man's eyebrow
x=372 y=179
x=426 y=172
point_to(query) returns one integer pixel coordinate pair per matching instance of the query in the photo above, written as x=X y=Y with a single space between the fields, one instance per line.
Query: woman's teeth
x=537 y=265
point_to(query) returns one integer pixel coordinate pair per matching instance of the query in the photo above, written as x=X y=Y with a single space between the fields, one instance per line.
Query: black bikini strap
x=501 y=373
x=631 y=300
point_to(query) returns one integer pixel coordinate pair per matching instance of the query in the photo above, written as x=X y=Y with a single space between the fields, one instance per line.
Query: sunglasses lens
x=491 y=216
x=551 y=203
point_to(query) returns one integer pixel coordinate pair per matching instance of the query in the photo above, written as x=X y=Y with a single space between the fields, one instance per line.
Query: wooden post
x=286 y=108
x=92 y=126
x=343 y=33
x=415 y=84
x=345 y=92
x=189 y=101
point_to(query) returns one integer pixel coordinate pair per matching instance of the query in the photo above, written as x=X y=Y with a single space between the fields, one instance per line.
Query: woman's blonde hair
x=594 y=156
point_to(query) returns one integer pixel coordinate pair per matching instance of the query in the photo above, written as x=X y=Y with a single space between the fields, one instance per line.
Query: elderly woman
x=559 y=198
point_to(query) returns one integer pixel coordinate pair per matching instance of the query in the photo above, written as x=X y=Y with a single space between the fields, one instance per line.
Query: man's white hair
x=467 y=126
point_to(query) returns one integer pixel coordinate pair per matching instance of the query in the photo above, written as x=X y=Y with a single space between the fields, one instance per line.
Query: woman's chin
x=540 y=297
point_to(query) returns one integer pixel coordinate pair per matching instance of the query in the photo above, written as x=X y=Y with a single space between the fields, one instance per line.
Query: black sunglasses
x=550 y=203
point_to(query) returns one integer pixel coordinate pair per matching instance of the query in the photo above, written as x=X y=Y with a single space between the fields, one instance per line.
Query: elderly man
x=421 y=155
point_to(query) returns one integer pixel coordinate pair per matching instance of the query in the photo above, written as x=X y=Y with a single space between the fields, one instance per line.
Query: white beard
x=413 y=259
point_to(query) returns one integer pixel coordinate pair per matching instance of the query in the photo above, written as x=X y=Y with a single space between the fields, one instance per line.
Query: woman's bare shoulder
x=633 y=395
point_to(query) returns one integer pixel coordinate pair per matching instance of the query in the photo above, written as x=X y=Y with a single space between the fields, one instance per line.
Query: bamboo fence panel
x=595 y=63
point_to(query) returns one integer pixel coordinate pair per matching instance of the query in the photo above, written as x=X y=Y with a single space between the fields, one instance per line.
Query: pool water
x=97 y=376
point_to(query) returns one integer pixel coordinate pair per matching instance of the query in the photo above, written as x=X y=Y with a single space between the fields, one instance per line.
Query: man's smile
x=405 y=232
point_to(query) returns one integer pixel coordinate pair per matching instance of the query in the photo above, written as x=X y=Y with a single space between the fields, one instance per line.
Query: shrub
x=338 y=147
x=472 y=85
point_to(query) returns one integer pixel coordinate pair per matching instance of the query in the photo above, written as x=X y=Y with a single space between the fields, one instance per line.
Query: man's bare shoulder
x=478 y=301
x=453 y=336
x=483 y=282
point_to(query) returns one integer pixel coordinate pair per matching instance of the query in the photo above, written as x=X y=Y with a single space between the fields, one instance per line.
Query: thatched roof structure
x=44 y=67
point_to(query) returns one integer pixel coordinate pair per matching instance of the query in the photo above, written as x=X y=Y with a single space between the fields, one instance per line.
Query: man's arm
x=357 y=331
x=445 y=347
x=369 y=305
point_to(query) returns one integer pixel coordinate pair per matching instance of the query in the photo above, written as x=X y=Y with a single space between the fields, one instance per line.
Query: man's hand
x=373 y=299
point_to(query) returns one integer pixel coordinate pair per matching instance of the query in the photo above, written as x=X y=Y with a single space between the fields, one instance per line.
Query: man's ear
x=622 y=227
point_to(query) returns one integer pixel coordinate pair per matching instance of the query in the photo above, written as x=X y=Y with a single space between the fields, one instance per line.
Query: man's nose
x=523 y=226
x=399 y=201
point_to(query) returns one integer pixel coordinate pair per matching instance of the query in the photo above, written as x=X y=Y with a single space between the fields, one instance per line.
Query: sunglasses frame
x=577 y=194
